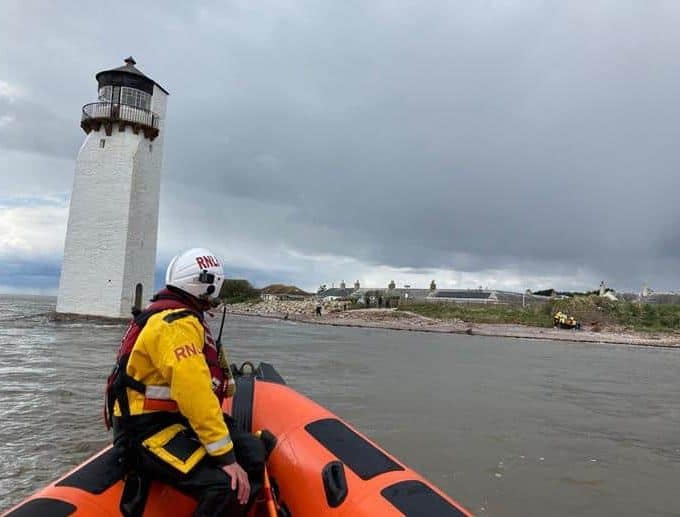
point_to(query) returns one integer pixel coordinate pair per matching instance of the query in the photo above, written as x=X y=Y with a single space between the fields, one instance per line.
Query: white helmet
x=197 y=272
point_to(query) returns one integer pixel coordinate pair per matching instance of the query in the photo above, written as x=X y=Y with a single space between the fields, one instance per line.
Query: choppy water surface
x=507 y=427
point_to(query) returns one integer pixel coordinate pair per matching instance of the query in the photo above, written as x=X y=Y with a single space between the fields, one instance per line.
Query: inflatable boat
x=319 y=466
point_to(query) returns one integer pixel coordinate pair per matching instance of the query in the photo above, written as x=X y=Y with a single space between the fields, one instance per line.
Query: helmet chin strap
x=211 y=301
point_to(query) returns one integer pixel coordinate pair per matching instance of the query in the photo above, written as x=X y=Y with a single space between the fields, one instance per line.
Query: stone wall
x=290 y=307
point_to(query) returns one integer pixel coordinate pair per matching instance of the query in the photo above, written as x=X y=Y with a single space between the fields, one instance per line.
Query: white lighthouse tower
x=110 y=250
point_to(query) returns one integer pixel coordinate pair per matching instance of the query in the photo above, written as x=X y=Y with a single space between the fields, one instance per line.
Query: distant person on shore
x=558 y=319
x=167 y=388
x=318 y=308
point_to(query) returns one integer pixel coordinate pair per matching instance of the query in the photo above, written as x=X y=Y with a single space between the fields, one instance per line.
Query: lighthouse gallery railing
x=119 y=112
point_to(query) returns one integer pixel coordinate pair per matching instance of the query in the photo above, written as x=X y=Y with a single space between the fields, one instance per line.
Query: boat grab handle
x=334 y=483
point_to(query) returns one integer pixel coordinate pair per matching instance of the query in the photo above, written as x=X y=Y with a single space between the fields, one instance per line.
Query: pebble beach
x=334 y=313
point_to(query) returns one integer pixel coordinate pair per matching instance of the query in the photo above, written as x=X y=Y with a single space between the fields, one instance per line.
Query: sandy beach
x=303 y=312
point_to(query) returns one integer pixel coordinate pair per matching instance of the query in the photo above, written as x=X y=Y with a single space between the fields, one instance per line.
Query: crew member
x=557 y=319
x=166 y=392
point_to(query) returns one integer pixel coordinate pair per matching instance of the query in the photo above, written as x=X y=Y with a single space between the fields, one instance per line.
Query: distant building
x=393 y=296
x=663 y=299
x=463 y=296
x=410 y=294
x=335 y=293
x=389 y=297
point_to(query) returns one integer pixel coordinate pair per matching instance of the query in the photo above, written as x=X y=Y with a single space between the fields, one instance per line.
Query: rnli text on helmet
x=206 y=262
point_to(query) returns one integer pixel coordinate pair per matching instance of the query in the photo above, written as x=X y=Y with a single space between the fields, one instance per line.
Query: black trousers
x=206 y=482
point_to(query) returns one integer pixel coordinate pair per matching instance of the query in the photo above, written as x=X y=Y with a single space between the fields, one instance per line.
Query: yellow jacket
x=167 y=357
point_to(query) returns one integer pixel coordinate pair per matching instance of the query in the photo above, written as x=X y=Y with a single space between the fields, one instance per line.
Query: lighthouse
x=110 y=248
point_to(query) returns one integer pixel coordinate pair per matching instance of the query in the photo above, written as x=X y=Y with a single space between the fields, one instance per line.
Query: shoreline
x=389 y=319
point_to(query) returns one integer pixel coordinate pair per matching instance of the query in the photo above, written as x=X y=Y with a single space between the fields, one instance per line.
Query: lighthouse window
x=136 y=98
x=105 y=94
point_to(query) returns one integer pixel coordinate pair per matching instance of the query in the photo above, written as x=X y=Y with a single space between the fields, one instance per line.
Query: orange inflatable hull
x=319 y=466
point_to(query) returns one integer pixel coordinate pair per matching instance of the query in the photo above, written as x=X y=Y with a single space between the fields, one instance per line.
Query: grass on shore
x=594 y=312
x=481 y=313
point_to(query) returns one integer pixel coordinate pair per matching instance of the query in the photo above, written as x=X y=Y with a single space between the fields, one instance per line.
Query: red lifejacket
x=119 y=380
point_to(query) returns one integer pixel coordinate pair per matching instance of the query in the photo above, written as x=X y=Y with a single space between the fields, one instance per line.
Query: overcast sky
x=510 y=144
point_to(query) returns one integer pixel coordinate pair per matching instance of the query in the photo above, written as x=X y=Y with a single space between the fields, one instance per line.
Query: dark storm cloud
x=28 y=126
x=531 y=136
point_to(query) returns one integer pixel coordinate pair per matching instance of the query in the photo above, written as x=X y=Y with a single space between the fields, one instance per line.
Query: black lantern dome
x=127 y=75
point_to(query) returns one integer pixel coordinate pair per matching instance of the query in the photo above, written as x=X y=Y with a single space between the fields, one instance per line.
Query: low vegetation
x=482 y=313
x=238 y=291
x=594 y=312
x=284 y=289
